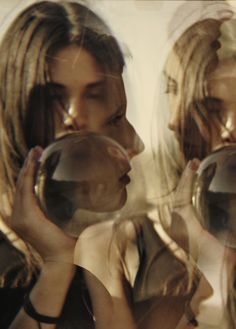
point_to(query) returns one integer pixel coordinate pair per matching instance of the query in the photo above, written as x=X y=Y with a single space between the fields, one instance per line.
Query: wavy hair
x=25 y=52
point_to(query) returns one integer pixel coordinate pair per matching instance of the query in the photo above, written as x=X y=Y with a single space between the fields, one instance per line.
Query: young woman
x=200 y=84
x=60 y=71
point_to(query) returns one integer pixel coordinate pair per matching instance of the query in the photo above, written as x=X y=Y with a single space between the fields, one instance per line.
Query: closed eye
x=95 y=96
x=171 y=85
x=96 y=90
x=117 y=117
x=212 y=104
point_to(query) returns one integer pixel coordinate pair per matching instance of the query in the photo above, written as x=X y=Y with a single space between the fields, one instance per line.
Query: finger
x=25 y=180
x=183 y=195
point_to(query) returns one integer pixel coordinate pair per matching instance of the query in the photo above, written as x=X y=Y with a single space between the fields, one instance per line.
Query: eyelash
x=171 y=88
x=95 y=96
x=116 y=120
x=98 y=93
x=215 y=111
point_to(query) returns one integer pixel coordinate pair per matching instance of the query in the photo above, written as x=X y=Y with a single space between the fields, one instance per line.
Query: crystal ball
x=82 y=174
x=214 y=194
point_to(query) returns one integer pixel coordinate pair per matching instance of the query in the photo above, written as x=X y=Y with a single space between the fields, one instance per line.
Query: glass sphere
x=214 y=194
x=82 y=174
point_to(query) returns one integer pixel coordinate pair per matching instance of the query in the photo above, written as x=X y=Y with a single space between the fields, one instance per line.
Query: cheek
x=124 y=134
x=174 y=102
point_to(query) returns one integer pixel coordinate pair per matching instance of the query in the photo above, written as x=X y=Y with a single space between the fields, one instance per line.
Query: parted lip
x=124 y=178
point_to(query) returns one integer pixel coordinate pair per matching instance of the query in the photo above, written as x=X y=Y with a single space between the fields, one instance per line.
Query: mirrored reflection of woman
x=201 y=270
x=199 y=86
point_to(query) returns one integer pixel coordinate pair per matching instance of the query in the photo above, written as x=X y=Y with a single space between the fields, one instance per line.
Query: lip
x=125 y=179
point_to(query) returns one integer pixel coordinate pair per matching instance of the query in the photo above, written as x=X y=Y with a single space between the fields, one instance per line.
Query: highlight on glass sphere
x=85 y=171
x=214 y=194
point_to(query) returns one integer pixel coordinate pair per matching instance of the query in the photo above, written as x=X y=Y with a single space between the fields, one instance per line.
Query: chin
x=123 y=199
x=117 y=204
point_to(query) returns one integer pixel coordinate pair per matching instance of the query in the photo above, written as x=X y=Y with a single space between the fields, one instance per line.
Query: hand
x=29 y=221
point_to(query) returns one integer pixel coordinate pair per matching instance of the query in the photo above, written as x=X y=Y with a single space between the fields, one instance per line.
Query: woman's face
x=90 y=171
x=221 y=103
x=173 y=80
x=86 y=98
x=184 y=71
x=107 y=173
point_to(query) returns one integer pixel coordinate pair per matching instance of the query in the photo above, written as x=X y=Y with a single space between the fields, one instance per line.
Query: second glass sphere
x=214 y=195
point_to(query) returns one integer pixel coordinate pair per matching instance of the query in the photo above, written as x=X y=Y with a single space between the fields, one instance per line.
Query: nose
x=173 y=123
x=228 y=131
x=135 y=146
x=76 y=118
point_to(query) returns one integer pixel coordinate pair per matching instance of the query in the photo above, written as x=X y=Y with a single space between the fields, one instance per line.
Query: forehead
x=76 y=68
x=222 y=81
x=173 y=66
x=71 y=64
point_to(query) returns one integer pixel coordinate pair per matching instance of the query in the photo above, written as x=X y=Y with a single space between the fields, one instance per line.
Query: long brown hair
x=196 y=51
x=25 y=52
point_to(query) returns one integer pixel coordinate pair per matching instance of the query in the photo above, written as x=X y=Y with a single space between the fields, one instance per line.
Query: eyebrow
x=212 y=99
x=96 y=84
x=120 y=110
x=169 y=77
x=91 y=85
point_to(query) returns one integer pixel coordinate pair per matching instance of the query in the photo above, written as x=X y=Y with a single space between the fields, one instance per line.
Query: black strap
x=30 y=310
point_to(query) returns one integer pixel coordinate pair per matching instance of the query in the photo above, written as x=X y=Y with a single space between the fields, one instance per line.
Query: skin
x=222 y=102
x=108 y=187
x=174 y=76
x=90 y=99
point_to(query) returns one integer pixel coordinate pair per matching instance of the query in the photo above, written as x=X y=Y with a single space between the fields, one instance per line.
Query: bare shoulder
x=109 y=242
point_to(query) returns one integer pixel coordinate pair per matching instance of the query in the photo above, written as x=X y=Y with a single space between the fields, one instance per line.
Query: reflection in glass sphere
x=214 y=194
x=82 y=174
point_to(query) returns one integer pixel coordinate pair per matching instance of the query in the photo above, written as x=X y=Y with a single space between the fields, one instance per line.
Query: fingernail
x=35 y=153
x=193 y=164
x=28 y=157
x=38 y=150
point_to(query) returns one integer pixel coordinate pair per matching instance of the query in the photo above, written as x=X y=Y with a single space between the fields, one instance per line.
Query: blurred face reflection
x=86 y=98
x=82 y=171
x=221 y=103
x=173 y=80
x=194 y=54
x=107 y=177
